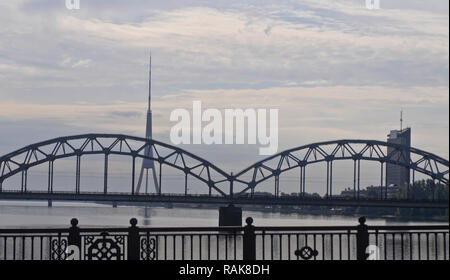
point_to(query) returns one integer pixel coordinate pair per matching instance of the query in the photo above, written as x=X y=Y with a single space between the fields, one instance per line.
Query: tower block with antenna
x=148 y=163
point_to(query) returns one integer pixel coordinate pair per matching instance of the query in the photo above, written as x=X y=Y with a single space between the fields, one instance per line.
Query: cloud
x=69 y=62
x=82 y=63
x=268 y=29
x=126 y=114
x=306 y=115
x=334 y=68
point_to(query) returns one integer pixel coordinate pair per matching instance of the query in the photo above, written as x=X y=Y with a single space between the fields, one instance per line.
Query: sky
x=334 y=69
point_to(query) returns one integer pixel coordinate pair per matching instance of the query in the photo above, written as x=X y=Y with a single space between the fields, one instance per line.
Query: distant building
x=370 y=192
x=395 y=174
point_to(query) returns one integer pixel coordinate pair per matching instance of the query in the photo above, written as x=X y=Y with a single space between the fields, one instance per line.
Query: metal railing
x=430 y=242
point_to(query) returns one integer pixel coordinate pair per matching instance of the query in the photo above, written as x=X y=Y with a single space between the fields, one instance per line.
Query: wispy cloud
x=334 y=68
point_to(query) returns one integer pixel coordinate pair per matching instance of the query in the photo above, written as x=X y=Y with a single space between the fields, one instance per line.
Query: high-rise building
x=397 y=174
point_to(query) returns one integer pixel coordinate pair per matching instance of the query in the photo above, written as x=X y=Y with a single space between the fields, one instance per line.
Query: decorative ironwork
x=89 y=239
x=148 y=248
x=58 y=248
x=306 y=253
x=104 y=247
x=120 y=239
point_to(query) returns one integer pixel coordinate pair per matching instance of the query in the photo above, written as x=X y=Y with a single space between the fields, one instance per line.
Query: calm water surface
x=37 y=214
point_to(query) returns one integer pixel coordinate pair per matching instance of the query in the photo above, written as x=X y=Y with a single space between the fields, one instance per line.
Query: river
x=38 y=214
x=31 y=214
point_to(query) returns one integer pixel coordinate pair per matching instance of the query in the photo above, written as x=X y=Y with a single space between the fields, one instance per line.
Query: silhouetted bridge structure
x=220 y=186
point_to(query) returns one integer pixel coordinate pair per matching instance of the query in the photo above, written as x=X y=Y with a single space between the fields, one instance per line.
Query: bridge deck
x=207 y=199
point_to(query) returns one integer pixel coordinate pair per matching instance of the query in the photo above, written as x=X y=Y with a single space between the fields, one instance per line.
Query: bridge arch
x=109 y=144
x=369 y=150
x=89 y=144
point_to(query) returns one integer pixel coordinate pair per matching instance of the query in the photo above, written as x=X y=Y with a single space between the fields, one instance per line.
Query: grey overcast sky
x=334 y=69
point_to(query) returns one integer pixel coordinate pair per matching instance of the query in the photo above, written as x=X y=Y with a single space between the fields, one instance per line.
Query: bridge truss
x=218 y=182
x=164 y=155
x=413 y=159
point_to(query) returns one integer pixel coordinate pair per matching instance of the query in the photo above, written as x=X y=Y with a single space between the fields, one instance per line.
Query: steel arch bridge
x=413 y=159
x=219 y=183
x=108 y=144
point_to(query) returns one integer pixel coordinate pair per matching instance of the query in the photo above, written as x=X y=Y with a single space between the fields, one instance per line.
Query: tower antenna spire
x=150 y=82
x=148 y=163
x=401 y=119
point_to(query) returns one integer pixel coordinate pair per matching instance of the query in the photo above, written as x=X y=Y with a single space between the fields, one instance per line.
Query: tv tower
x=148 y=163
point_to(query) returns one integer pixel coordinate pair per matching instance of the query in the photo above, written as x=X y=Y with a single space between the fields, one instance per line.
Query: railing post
x=249 y=240
x=74 y=233
x=74 y=238
x=362 y=240
x=133 y=240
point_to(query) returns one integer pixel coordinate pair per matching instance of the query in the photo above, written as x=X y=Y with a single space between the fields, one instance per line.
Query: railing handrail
x=410 y=227
x=120 y=230
x=223 y=229
x=352 y=228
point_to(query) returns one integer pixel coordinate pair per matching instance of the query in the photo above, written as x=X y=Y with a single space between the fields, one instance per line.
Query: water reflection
x=37 y=214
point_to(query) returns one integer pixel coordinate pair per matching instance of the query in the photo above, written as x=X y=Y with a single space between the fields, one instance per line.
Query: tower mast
x=401 y=120
x=148 y=163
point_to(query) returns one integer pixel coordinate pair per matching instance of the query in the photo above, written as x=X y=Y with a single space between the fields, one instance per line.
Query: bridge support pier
x=230 y=216
x=50 y=203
